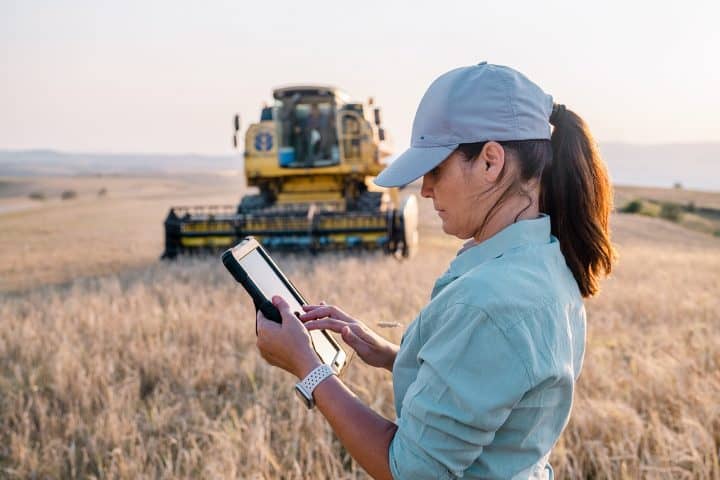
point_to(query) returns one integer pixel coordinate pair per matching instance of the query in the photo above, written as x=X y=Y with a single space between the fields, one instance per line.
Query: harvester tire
x=405 y=228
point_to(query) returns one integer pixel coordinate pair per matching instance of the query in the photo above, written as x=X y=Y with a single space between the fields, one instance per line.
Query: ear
x=491 y=161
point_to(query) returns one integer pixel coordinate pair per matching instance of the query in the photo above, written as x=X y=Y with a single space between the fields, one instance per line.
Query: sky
x=167 y=76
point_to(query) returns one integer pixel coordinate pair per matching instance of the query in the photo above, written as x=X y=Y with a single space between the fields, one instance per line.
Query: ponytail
x=576 y=193
x=574 y=190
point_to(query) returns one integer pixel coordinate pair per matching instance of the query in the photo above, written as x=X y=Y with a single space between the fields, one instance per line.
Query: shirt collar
x=524 y=232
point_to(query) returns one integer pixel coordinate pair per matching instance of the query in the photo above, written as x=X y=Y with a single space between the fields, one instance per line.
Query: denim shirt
x=485 y=375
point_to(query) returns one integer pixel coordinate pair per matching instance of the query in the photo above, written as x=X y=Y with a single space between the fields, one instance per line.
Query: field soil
x=111 y=224
x=114 y=364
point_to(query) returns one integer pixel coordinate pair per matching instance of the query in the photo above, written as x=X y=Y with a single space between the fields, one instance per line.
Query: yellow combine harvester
x=313 y=157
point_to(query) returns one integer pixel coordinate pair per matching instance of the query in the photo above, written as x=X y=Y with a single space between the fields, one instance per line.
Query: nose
x=426 y=190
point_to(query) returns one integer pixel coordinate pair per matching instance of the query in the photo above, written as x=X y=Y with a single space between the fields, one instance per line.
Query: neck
x=514 y=209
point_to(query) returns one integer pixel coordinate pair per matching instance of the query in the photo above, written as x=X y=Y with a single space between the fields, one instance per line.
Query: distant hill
x=694 y=166
x=53 y=163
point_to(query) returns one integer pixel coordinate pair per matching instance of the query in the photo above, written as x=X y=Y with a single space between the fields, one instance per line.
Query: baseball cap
x=466 y=105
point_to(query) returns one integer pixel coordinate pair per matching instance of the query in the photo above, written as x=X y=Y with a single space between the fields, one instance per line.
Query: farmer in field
x=484 y=376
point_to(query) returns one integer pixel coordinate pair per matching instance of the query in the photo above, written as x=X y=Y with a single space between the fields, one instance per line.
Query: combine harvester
x=313 y=157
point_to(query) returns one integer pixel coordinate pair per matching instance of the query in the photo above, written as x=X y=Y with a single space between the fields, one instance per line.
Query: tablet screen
x=270 y=284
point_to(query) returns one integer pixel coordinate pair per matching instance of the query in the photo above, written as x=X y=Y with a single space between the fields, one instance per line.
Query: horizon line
x=229 y=154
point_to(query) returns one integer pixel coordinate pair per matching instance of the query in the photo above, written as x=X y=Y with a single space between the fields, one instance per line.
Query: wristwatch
x=305 y=388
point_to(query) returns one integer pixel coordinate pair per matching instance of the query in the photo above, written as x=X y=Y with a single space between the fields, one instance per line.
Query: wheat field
x=121 y=366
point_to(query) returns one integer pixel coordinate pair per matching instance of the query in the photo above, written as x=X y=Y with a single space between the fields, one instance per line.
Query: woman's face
x=458 y=188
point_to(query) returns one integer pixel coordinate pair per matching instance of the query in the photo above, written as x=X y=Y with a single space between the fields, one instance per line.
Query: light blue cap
x=466 y=105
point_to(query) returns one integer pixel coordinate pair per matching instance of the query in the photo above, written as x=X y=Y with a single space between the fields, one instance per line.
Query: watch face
x=307 y=401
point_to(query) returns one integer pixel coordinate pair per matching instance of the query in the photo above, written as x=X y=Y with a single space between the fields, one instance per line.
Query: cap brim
x=412 y=164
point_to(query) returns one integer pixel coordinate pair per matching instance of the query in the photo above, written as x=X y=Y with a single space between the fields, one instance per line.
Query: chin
x=451 y=231
x=461 y=235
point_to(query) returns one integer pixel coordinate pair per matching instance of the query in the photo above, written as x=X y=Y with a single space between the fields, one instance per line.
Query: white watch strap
x=314 y=378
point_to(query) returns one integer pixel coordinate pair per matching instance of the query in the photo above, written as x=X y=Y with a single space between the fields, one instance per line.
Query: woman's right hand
x=371 y=347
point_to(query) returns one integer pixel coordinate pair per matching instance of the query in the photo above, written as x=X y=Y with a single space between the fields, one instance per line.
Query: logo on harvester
x=263 y=142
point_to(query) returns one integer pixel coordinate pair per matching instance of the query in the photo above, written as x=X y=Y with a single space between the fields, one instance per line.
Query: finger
x=284 y=309
x=364 y=335
x=353 y=340
x=280 y=303
x=312 y=314
x=290 y=319
x=310 y=308
x=319 y=311
x=326 y=324
x=347 y=335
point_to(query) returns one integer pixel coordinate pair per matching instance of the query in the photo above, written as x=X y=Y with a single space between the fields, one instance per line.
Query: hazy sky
x=167 y=76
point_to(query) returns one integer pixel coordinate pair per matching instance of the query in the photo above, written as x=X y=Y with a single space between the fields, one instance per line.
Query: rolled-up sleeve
x=470 y=378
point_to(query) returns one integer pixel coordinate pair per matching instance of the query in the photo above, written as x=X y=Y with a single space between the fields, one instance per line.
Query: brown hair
x=575 y=192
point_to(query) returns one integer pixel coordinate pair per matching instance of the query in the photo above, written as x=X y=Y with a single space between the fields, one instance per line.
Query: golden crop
x=152 y=372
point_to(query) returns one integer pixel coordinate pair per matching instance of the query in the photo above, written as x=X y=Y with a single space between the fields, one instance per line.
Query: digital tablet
x=256 y=271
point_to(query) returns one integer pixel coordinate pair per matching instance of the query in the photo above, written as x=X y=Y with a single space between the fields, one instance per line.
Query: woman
x=484 y=376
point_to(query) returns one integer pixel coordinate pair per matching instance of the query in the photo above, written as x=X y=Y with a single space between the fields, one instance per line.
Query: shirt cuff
x=407 y=462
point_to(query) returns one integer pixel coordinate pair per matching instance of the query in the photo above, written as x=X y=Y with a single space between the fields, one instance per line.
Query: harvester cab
x=312 y=157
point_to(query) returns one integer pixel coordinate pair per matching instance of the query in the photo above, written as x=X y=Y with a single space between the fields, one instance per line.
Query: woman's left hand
x=286 y=345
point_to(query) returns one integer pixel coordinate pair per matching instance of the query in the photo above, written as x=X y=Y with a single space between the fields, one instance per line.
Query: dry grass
x=152 y=372
x=647 y=404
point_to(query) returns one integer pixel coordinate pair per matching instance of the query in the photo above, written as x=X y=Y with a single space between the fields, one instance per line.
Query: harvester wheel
x=172 y=235
x=406 y=223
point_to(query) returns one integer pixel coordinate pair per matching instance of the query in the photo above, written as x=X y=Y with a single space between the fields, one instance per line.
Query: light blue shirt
x=485 y=374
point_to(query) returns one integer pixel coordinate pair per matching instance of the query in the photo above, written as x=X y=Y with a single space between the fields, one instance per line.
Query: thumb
x=351 y=338
x=284 y=308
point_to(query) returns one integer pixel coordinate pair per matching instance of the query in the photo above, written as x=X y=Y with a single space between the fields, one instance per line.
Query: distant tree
x=68 y=194
x=634 y=206
x=37 y=196
x=671 y=211
x=678 y=186
x=102 y=192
